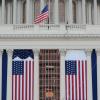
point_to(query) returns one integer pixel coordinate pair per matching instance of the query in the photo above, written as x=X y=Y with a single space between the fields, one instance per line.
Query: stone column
x=56 y=12
x=41 y=5
x=90 y=13
x=78 y=11
x=89 y=75
x=19 y=12
x=98 y=73
x=62 y=74
x=0 y=14
x=70 y=15
x=95 y=11
x=3 y=12
x=28 y=11
x=66 y=11
x=14 y=11
x=83 y=12
x=8 y=13
x=1 y=51
x=9 y=75
x=36 y=74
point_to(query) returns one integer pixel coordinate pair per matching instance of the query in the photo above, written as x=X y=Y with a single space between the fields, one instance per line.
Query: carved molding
x=34 y=36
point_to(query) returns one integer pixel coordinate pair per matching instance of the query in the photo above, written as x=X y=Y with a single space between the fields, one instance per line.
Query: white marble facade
x=74 y=25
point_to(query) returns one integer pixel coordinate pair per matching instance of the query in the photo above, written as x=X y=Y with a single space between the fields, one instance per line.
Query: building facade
x=72 y=25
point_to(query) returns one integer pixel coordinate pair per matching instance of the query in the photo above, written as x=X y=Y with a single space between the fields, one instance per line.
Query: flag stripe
x=83 y=78
x=86 y=77
x=41 y=16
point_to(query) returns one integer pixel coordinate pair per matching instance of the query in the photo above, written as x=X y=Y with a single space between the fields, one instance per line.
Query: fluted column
x=14 y=11
x=78 y=11
x=98 y=73
x=36 y=74
x=0 y=14
x=19 y=18
x=70 y=15
x=3 y=11
x=56 y=12
x=1 y=51
x=8 y=13
x=89 y=75
x=28 y=11
x=9 y=75
x=95 y=11
x=66 y=11
x=41 y=5
x=90 y=13
x=62 y=74
x=83 y=12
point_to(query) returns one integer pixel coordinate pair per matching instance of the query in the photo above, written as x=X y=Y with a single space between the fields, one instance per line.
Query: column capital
x=9 y=51
x=1 y=51
x=36 y=52
x=62 y=52
x=98 y=51
x=88 y=52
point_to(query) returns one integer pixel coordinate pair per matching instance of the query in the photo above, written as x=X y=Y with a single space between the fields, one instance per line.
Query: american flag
x=76 y=79
x=43 y=15
x=22 y=75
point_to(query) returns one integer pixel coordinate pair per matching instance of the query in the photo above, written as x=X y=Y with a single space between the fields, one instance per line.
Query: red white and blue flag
x=22 y=75
x=76 y=78
x=42 y=16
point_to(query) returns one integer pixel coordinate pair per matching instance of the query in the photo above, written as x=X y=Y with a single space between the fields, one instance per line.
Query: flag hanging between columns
x=76 y=77
x=4 y=75
x=94 y=74
x=22 y=75
x=43 y=15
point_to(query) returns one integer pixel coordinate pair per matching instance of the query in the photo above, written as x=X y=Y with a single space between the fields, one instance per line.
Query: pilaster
x=89 y=75
x=62 y=74
x=36 y=74
x=9 y=75
x=98 y=73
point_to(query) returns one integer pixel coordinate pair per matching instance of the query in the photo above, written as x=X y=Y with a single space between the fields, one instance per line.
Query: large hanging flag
x=76 y=75
x=4 y=75
x=43 y=15
x=94 y=74
x=22 y=75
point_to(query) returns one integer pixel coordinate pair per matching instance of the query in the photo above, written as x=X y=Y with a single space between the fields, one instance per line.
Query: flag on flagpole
x=94 y=74
x=42 y=16
x=76 y=76
x=22 y=75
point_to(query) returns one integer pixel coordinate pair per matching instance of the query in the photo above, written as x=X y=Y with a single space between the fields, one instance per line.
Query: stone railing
x=49 y=29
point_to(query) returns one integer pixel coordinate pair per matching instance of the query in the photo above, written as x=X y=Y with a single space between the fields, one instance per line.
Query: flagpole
x=49 y=13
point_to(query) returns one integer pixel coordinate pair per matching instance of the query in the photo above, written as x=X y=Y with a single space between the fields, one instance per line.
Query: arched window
x=61 y=11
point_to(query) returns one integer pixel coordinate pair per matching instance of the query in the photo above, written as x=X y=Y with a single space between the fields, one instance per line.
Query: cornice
x=49 y=36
